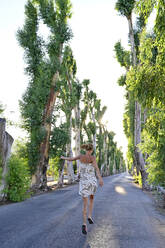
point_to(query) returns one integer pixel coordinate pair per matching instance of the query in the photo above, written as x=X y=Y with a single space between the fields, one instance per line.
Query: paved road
x=124 y=218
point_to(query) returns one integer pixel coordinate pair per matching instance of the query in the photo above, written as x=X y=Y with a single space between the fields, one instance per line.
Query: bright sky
x=96 y=27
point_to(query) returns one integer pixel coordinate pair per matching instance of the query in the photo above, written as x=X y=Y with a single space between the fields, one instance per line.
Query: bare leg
x=91 y=206
x=85 y=200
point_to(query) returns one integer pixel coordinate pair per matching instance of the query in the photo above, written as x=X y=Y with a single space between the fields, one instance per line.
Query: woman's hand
x=62 y=157
x=101 y=182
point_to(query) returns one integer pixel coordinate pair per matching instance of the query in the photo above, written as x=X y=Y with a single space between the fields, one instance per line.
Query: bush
x=53 y=168
x=18 y=179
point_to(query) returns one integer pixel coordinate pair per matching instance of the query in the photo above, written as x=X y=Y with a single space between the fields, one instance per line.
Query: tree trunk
x=114 y=165
x=105 y=153
x=132 y=40
x=100 y=149
x=61 y=174
x=102 y=169
x=109 y=164
x=140 y=164
x=41 y=179
x=145 y=119
x=94 y=136
x=139 y=156
x=40 y=175
x=6 y=142
x=70 y=171
x=77 y=137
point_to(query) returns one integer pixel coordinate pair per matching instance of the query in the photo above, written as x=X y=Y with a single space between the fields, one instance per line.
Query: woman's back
x=86 y=159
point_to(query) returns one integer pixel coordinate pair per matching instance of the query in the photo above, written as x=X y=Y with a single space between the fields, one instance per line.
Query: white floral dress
x=88 y=180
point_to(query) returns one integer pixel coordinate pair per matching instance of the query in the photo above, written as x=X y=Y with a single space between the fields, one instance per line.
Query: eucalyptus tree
x=43 y=59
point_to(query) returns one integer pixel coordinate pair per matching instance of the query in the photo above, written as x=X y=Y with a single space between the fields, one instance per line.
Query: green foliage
x=91 y=127
x=144 y=8
x=125 y=7
x=128 y=124
x=146 y=83
x=45 y=59
x=1 y=108
x=42 y=59
x=18 y=179
x=105 y=145
x=154 y=145
x=54 y=168
x=130 y=154
x=100 y=111
x=122 y=80
x=87 y=128
x=59 y=139
x=122 y=56
x=138 y=179
x=69 y=88
x=117 y=159
x=30 y=41
x=20 y=148
x=69 y=64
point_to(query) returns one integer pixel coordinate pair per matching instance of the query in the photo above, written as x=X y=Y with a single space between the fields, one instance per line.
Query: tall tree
x=125 y=8
x=43 y=59
x=147 y=83
x=68 y=101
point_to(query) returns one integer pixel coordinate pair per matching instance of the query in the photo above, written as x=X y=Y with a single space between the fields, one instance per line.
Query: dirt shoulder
x=158 y=200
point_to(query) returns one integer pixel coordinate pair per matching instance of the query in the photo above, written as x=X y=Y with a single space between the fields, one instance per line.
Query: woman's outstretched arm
x=71 y=159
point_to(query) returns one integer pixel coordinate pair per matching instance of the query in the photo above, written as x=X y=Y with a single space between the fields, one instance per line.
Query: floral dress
x=88 y=180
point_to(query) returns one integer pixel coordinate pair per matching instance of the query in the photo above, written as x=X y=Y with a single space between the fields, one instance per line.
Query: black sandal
x=90 y=221
x=84 y=229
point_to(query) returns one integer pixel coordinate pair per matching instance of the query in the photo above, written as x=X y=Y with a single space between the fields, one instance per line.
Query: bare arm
x=71 y=159
x=98 y=172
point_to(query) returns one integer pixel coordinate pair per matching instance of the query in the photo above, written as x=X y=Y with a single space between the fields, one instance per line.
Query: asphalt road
x=124 y=216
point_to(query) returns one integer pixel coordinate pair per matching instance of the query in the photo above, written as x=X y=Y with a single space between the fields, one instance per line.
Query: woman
x=88 y=181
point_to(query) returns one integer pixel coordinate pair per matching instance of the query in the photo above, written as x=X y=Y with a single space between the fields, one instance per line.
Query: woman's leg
x=85 y=201
x=91 y=205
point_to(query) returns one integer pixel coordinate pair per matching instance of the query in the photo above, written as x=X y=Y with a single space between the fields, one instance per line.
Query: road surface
x=125 y=217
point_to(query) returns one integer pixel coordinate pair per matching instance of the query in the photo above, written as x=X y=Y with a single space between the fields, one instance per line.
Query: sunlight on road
x=102 y=236
x=120 y=190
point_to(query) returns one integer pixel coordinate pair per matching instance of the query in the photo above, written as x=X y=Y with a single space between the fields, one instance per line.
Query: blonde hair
x=87 y=147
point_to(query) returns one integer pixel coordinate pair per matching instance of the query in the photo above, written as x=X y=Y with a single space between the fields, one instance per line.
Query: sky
x=96 y=27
